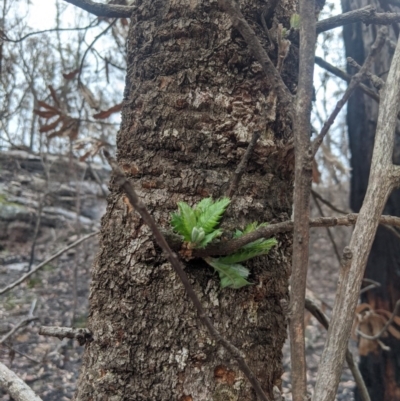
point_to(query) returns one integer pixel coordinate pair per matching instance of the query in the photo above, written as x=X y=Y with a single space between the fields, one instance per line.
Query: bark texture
x=380 y=369
x=194 y=96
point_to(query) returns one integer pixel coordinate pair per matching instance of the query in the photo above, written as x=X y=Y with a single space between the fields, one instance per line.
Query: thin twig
x=22 y=323
x=355 y=81
x=104 y=10
x=90 y=46
x=385 y=327
x=375 y=80
x=328 y=230
x=7 y=39
x=21 y=353
x=327 y=203
x=346 y=77
x=242 y=165
x=16 y=387
x=229 y=247
x=50 y=259
x=321 y=317
x=121 y=181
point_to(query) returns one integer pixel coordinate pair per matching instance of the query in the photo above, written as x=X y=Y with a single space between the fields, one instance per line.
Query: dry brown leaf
x=46 y=113
x=49 y=127
x=54 y=96
x=107 y=113
x=71 y=75
x=88 y=96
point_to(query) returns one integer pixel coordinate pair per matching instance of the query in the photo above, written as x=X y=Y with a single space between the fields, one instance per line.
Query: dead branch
x=50 y=259
x=384 y=176
x=375 y=80
x=301 y=197
x=346 y=77
x=121 y=182
x=321 y=317
x=367 y=15
x=242 y=165
x=16 y=387
x=355 y=81
x=81 y=335
x=229 y=247
x=22 y=323
x=104 y=10
x=327 y=203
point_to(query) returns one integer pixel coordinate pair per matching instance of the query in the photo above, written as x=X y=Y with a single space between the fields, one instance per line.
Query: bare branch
x=81 y=335
x=355 y=81
x=367 y=14
x=122 y=182
x=321 y=317
x=229 y=247
x=346 y=77
x=327 y=203
x=16 y=387
x=258 y=52
x=104 y=10
x=22 y=323
x=7 y=39
x=51 y=258
x=301 y=197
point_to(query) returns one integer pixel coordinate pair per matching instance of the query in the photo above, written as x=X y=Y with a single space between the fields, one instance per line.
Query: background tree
x=380 y=368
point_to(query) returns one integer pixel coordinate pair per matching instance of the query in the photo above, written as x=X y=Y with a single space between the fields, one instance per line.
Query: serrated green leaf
x=177 y=224
x=211 y=213
x=197 y=235
x=185 y=221
x=204 y=204
x=232 y=276
x=249 y=251
x=209 y=237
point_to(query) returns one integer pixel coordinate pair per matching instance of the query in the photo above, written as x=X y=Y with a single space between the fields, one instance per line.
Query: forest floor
x=58 y=296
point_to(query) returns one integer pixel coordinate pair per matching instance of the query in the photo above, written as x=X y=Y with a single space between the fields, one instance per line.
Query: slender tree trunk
x=194 y=97
x=380 y=369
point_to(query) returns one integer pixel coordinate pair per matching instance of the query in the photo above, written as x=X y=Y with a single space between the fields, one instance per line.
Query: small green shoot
x=198 y=226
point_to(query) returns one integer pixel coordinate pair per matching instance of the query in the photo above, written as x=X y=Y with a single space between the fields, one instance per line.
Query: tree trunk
x=380 y=369
x=193 y=98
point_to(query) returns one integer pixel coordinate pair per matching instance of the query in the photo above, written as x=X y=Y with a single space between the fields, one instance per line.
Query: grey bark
x=193 y=98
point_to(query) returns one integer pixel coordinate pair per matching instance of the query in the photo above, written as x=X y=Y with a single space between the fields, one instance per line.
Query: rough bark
x=380 y=369
x=193 y=98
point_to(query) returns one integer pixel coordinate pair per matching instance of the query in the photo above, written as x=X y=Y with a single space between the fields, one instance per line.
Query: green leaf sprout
x=198 y=227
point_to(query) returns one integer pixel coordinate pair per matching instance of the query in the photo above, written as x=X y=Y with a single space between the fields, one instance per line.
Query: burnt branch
x=256 y=49
x=327 y=203
x=355 y=81
x=50 y=259
x=346 y=77
x=122 y=182
x=81 y=335
x=367 y=15
x=242 y=165
x=104 y=10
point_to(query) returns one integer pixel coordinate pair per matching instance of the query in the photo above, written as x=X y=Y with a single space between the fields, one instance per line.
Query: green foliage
x=295 y=21
x=198 y=226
